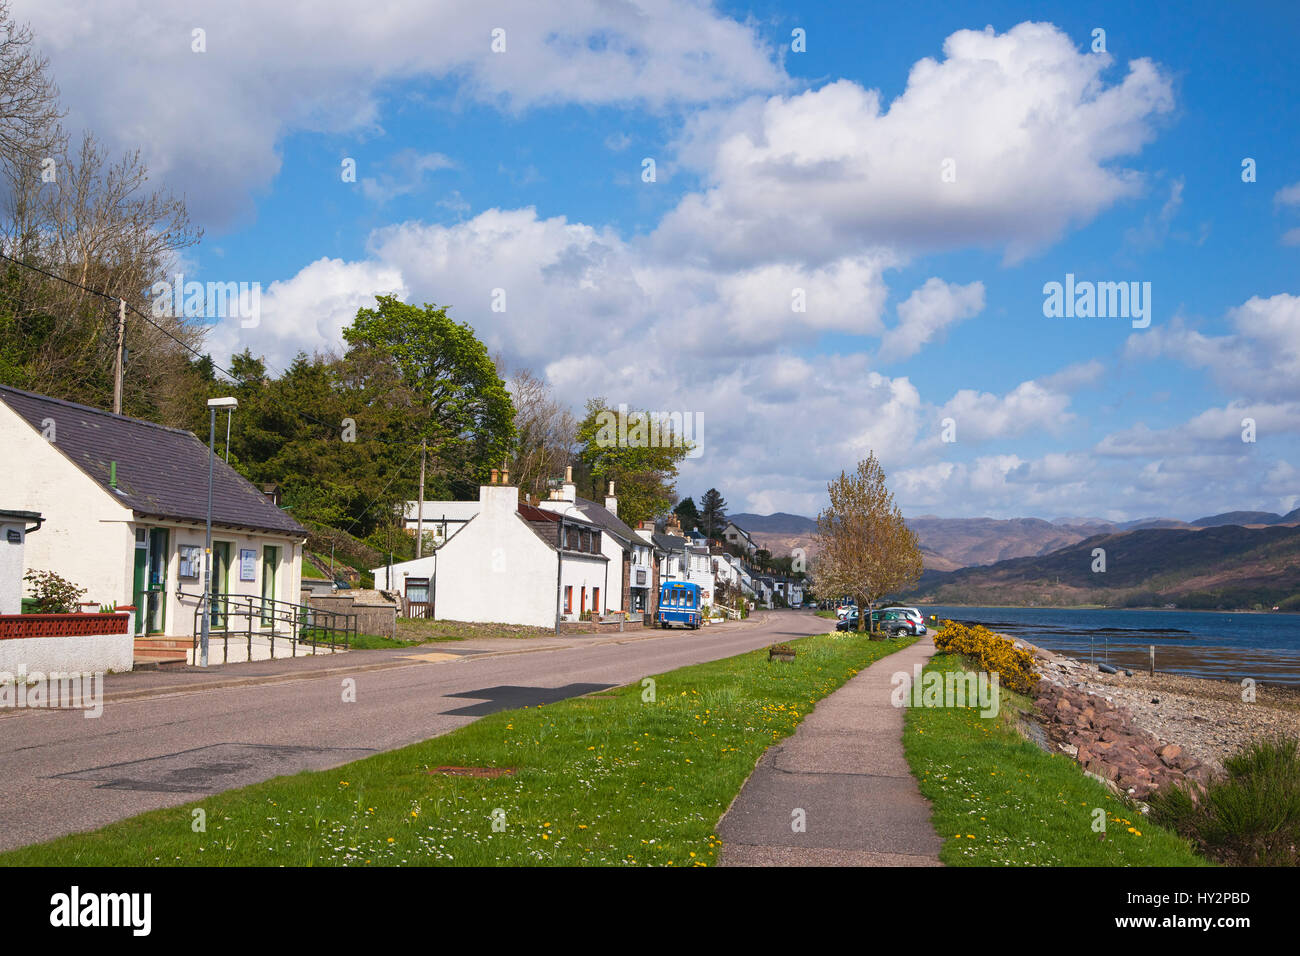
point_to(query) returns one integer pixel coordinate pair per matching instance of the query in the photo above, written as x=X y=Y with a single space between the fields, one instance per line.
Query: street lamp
x=230 y=404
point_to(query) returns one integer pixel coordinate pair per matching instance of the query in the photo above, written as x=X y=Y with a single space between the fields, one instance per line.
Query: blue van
x=679 y=604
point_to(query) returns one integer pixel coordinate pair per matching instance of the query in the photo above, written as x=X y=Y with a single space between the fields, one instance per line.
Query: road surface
x=153 y=747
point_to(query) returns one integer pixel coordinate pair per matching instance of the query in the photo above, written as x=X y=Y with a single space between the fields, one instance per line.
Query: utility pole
x=121 y=343
x=419 y=519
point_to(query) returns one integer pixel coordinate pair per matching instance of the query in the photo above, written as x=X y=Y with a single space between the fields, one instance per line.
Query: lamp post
x=213 y=404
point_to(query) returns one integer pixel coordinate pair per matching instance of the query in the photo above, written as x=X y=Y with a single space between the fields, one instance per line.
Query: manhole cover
x=474 y=771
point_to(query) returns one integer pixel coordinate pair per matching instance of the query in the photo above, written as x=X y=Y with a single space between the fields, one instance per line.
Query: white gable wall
x=496 y=569
x=87 y=536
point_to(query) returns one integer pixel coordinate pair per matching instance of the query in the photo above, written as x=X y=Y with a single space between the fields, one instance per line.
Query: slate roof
x=599 y=514
x=670 y=542
x=161 y=472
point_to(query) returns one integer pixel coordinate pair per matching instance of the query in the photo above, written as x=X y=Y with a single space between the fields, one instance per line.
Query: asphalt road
x=63 y=773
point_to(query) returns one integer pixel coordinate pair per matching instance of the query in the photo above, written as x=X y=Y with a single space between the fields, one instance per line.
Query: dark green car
x=889 y=620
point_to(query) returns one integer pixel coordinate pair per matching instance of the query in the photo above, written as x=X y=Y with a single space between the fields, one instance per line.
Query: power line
x=117 y=298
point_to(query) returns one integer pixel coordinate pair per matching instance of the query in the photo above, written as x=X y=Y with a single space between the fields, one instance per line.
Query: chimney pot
x=568 y=473
x=493 y=479
x=505 y=476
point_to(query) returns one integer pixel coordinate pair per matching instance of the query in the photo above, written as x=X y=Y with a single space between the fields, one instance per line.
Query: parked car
x=893 y=621
x=913 y=615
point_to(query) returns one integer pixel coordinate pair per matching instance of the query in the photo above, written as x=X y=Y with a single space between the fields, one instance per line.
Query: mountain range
x=950 y=544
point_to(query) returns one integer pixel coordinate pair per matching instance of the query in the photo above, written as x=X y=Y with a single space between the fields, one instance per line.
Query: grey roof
x=161 y=472
x=670 y=542
x=599 y=514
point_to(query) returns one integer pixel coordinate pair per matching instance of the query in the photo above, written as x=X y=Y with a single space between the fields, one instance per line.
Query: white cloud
x=1031 y=125
x=1288 y=195
x=1260 y=359
x=308 y=312
x=271 y=69
x=927 y=312
x=404 y=173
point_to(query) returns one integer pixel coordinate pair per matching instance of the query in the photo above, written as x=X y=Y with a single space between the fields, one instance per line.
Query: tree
x=864 y=548
x=713 y=513
x=687 y=514
x=439 y=377
x=636 y=452
x=545 y=434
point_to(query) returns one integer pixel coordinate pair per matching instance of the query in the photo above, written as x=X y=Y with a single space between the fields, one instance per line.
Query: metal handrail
x=307 y=625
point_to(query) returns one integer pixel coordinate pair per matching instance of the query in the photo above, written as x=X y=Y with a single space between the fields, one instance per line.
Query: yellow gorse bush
x=995 y=653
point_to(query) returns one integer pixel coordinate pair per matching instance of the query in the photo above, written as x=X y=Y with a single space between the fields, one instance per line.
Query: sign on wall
x=247 y=564
x=189 y=560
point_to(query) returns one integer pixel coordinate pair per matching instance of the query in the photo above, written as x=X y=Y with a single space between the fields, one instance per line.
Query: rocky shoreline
x=1142 y=732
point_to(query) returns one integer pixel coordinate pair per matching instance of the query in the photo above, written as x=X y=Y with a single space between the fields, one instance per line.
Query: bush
x=52 y=593
x=995 y=653
x=1251 y=816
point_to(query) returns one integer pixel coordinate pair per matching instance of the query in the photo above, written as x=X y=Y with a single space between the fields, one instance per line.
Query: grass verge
x=999 y=800
x=614 y=778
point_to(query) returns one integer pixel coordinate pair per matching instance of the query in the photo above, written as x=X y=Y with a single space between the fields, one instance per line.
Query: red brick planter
x=61 y=625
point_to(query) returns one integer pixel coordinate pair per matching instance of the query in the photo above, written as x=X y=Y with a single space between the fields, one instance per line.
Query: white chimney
x=611 y=503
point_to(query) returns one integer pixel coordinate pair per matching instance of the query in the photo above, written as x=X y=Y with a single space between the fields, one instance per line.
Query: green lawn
x=609 y=779
x=999 y=800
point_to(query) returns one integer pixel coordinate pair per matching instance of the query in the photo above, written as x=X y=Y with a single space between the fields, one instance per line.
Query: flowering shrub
x=995 y=653
x=52 y=593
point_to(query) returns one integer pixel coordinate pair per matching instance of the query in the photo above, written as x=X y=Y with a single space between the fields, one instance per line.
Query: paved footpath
x=844 y=767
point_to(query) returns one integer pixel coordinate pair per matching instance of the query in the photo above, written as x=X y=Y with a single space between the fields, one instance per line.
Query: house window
x=568 y=599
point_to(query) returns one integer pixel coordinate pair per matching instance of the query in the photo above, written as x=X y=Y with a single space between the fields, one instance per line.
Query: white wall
x=11 y=568
x=87 y=535
x=496 y=569
x=83 y=654
x=180 y=610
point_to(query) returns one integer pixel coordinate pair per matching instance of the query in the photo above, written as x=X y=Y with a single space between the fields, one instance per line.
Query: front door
x=220 y=581
x=141 y=582
x=156 y=599
x=270 y=566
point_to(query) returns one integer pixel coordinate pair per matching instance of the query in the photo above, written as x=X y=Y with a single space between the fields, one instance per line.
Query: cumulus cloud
x=212 y=130
x=1259 y=359
x=1023 y=120
x=927 y=312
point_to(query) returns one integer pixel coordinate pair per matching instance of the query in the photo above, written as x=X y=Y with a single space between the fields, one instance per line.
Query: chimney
x=611 y=503
x=493 y=479
x=570 y=491
x=505 y=476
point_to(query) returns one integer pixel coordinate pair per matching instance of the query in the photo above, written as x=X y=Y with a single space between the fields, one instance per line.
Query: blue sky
x=776 y=170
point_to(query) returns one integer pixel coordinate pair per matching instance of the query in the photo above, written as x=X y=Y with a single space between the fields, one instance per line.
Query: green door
x=140 y=586
x=157 y=597
x=270 y=565
x=220 y=581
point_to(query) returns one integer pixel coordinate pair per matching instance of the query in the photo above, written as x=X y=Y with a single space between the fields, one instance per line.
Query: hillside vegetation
x=1225 y=567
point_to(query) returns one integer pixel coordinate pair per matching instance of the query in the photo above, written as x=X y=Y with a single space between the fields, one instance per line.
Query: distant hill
x=1226 y=566
x=949 y=544
x=1239 y=517
x=779 y=523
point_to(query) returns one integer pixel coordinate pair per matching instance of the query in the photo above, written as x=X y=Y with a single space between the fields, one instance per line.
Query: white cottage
x=124 y=503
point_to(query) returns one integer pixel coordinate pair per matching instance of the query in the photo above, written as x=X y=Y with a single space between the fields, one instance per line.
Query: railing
x=267 y=619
